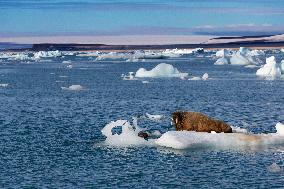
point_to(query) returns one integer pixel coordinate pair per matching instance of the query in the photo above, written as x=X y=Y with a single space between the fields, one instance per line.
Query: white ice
x=282 y=66
x=161 y=70
x=242 y=57
x=222 y=53
x=129 y=135
x=205 y=76
x=130 y=76
x=221 y=61
x=274 y=168
x=271 y=69
x=4 y=84
x=195 y=78
x=154 y=117
x=73 y=88
x=47 y=54
x=191 y=139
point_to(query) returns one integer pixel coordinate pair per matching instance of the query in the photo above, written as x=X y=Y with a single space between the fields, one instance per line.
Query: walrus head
x=177 y=119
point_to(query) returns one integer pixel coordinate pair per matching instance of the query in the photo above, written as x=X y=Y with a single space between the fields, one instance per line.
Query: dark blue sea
x=51 y=137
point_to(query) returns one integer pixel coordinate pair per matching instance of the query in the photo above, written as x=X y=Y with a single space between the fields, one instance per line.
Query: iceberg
x=242 y=57
x=46 y=54
x=271 y=69
x=161 y=70
x=222 y=53
x=221 y=61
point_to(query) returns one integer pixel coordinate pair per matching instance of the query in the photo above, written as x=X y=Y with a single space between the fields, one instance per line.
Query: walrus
x=195 y=121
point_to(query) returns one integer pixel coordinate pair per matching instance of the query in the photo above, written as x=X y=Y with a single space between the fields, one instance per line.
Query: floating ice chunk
x=242 y=57
x=222 y=53
x=131 y=56
x=69 y=66
x=238 y=130
x=256 y=52
x=271 y=69
x=205 y=76
x=145 y=82
x=66 y=62
x=282 y=66
x=195 y=79
x=73 y=88
x=128 y=136
x=282 y=50
x=4 y=84
x=280 y=128
x=251 y=66
x=47 y=54
x=221 y=61
x=161 y=70
x=130 y=76
x=154 y=117
x=274 y=168
x=240 y=138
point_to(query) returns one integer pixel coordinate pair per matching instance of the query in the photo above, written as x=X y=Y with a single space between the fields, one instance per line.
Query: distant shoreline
x=161 y=43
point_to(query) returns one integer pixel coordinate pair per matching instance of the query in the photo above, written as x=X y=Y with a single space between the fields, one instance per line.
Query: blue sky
x=141 y=17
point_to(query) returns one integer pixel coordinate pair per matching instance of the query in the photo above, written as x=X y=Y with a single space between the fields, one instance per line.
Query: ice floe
x=127 y=137
x=191 y=139
x=240 y=138
x=161 y=70
x=73 y=88
x=270 y=70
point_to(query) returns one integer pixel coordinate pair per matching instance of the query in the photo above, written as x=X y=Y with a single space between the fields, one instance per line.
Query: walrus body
x=194 y=121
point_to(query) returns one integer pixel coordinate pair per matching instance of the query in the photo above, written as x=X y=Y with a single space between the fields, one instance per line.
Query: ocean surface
x=51 y=137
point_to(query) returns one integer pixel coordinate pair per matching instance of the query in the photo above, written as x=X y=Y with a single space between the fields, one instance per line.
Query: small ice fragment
x=205 y=76
x=69 y=66
x=280 y=128
x=66 y=62
x=195 y=78
x=130 y=76
x=274 y=168
x=145 y=82
x=4 y=84
x=154 y=117
x=73 y=88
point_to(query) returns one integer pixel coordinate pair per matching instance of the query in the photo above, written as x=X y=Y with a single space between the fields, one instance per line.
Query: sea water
x=51 y=137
